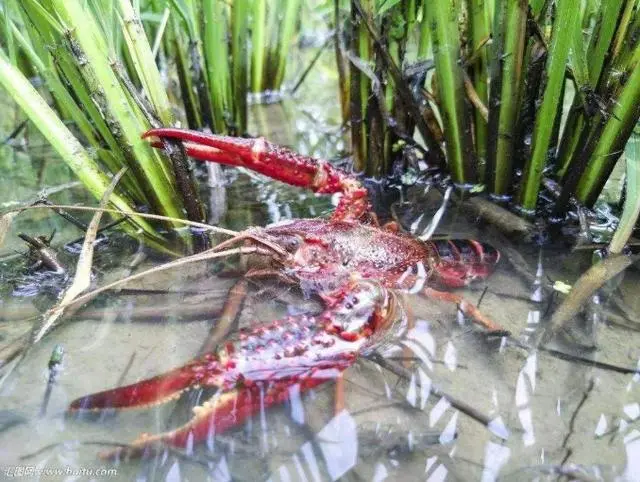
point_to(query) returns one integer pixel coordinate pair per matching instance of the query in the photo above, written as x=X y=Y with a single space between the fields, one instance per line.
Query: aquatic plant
x=80 y=51
x=509 y=93
x=105 y=65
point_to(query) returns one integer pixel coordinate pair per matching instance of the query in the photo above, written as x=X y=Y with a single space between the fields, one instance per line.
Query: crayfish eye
x=351 y=302
x=292 y=244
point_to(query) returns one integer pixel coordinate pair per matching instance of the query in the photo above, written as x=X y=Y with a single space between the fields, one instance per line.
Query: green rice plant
x=77 y=49
x=631 y=211
x=565 y=23
x=382 y=110
x=497 y=76
x=223 y=50
x=67 y=146
x=454 y=110
x=507 y=77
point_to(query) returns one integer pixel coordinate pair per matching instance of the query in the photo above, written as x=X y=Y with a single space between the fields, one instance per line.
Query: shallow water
x=551 y=419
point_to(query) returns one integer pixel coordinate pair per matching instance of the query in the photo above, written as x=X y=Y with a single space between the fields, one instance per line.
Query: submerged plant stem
x=506 y=91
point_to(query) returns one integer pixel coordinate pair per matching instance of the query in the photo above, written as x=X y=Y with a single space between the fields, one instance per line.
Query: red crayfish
x=351 y=262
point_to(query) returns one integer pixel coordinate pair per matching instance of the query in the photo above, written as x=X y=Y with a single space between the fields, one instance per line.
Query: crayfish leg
x=228 y=318
x=468 y=309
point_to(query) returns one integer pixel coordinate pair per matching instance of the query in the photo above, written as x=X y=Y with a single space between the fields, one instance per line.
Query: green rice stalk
x=144 y=62
x=157 y=42
x=617 y=129
x=272 y=29
x=257 y=44
x=397 y=27
x=360 y=89
x=537 y=8
x=58 y=67
x=216 y=55
x=342 y=63
x=628 y=12
x=506 y=91
x=603 y=34
x=424 y=40
x=479 y=33
x=186 y=80
x=55 y=85
x=443 y=18
x=287 y=31
x=565 y=23
x=61 y=139
x=580 y=67
x=8 y=35
x=628 y=56
x=631 y=210
x=191 y=65
x=95 y=65
x=240 y=61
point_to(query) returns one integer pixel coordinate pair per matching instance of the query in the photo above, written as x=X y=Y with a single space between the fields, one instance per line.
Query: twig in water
x=404 y=91
x=63 y=214
x=463 y=407
x=100 y=231
x=126 y=370
x=229 y=317
x=572 y=422
x=40 y=250
x=159 y=217
x=582 y=290
x=14 y=133
x=82 y=278
x=302 y=78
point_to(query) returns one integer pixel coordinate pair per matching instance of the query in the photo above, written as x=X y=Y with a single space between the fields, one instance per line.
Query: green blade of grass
x=144 y=62
x=240 y=58
x=61 y=139
x=443 y=18
x=216 y=54
x=360 y=89
x=609 y=145
x=64 y=80
x=287 y=30
x=510 y=27
x=564 y=26
x=631 y=210
x=599 y=45
x=258 y=36
x=186 y=80
x=479 y=32
x=95 y=64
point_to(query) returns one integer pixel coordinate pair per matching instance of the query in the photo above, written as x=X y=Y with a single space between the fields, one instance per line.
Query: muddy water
x=551 y=419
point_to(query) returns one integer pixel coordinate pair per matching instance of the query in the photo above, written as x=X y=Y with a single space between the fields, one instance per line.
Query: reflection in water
x=632 y=448
x=525 y=387
x=338 y=443
x=495 y=456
